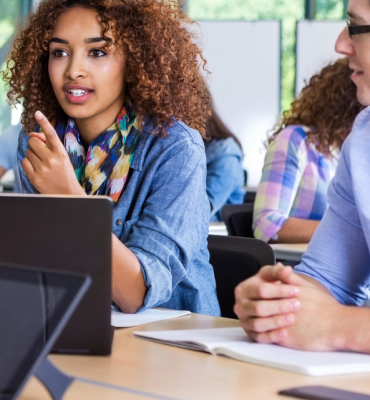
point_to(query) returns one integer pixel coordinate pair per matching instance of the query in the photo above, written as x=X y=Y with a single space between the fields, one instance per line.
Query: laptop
x=35 y=305
x=66 y=234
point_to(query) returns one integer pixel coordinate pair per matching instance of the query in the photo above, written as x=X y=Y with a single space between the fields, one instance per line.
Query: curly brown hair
x=328 y=106
x=164 y=63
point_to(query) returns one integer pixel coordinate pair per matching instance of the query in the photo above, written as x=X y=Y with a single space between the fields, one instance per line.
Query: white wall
x=315 y=48
x=244 y=58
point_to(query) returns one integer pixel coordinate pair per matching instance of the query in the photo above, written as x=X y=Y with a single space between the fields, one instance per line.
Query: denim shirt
x=163 y=218
x=225 y=175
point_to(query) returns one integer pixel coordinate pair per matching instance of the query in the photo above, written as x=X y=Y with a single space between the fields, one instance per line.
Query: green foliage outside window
x=288 y=11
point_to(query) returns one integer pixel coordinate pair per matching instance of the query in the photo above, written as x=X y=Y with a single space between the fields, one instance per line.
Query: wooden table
x=174 y=373
x=291 y=252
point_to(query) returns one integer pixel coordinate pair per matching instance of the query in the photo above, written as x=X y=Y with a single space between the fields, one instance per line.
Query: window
x=289 y=11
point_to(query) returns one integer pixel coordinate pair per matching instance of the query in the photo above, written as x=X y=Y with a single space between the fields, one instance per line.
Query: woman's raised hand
x=47 y=164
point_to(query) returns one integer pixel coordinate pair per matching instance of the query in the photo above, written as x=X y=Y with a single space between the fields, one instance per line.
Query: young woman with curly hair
x=301 y=158
x=113 y=93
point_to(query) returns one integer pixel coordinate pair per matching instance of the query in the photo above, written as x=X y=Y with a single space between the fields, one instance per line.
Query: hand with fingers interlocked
x=47 y=164
x=280 y=306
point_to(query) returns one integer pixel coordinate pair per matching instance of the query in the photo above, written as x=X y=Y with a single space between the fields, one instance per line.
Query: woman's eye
x=59 y=53
x=97 y=53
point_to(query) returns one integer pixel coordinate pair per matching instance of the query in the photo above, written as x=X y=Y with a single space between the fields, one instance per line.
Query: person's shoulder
x=295 y=134
x=180 y=140
x=291 y=141
x=359 y=138
x=361 y=129
x=224 y=147
x=179 y=131
x=177 y=134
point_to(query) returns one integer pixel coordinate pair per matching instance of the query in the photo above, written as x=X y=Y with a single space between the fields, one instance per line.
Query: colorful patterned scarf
x=103 y=168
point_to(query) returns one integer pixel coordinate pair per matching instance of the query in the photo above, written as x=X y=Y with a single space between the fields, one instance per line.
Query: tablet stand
x=54 y=380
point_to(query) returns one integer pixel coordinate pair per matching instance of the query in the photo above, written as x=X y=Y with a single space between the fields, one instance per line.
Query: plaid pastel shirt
x=294 y=183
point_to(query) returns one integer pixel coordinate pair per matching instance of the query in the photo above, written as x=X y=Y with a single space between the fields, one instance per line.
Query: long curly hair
x=164 y=62
x=328 y=106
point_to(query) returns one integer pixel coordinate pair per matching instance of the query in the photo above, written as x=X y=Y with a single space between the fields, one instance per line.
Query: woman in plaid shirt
x=302 y=157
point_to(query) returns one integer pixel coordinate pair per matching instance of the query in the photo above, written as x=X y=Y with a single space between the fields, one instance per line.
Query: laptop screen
x=32 y=304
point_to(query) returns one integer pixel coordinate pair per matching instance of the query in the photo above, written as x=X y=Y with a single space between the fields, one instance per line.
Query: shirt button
x=119 y=222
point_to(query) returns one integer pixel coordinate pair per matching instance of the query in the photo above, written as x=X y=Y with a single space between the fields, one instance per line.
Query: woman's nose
x=76 y=68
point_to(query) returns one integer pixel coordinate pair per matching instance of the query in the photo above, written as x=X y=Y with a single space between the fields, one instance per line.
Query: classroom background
x=259 y=53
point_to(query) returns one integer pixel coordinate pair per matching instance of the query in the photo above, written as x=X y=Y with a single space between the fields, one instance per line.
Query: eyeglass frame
x=357 y=30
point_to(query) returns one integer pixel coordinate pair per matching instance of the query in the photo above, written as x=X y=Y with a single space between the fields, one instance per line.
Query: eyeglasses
x=357 y=30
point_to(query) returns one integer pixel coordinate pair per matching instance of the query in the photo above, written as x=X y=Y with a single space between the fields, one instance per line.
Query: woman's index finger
x=47 y=128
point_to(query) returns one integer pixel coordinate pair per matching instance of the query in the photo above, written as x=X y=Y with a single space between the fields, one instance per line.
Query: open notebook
x=234 y=343
x=122 y=320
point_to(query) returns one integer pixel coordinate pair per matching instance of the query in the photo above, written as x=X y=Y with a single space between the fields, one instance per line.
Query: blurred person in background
x=8 y=154
x=302 y=157
x=225 y=175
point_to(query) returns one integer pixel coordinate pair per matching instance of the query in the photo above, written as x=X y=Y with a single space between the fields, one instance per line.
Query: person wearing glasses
x=317 y=306
x=302 y=155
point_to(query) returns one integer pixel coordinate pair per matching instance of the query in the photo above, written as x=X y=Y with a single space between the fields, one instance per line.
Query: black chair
x=250 y=196
x=235 y=259
x=238 y=219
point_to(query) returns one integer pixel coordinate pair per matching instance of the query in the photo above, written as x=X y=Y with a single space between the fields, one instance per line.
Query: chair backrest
x=238 y=219
x=235 y=259
x=250 y=196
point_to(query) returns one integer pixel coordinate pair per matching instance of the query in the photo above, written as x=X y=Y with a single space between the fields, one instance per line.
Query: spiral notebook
x=234 y=343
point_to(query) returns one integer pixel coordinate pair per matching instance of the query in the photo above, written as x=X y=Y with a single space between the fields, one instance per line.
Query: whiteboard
x=244 y=59
x=315 y=48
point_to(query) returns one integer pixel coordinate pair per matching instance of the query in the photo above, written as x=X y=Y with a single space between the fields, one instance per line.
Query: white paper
x=122 y=320
x=234 y=343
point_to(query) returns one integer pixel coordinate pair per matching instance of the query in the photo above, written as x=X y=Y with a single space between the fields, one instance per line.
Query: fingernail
x=39 y=115
x=295 y=305
x=294 y=291
x=289 y=318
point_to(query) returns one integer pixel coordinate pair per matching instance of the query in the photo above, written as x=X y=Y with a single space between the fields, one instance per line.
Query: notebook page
x=122 y=320
x=302 y=362
x=196 y=339
x=234 y=343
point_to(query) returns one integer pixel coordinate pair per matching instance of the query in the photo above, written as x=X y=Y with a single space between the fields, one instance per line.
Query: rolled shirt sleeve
x=338 y=255
x=285 y=162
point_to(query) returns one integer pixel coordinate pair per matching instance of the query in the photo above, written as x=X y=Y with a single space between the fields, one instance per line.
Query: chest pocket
x=127 y=229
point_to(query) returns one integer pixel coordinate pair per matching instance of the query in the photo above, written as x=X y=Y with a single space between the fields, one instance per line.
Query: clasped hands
x=47 y=164
x=282 y=307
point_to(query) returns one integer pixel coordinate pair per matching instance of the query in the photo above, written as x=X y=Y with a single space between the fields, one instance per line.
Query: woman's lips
x=78 y=95
x=356 y=74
